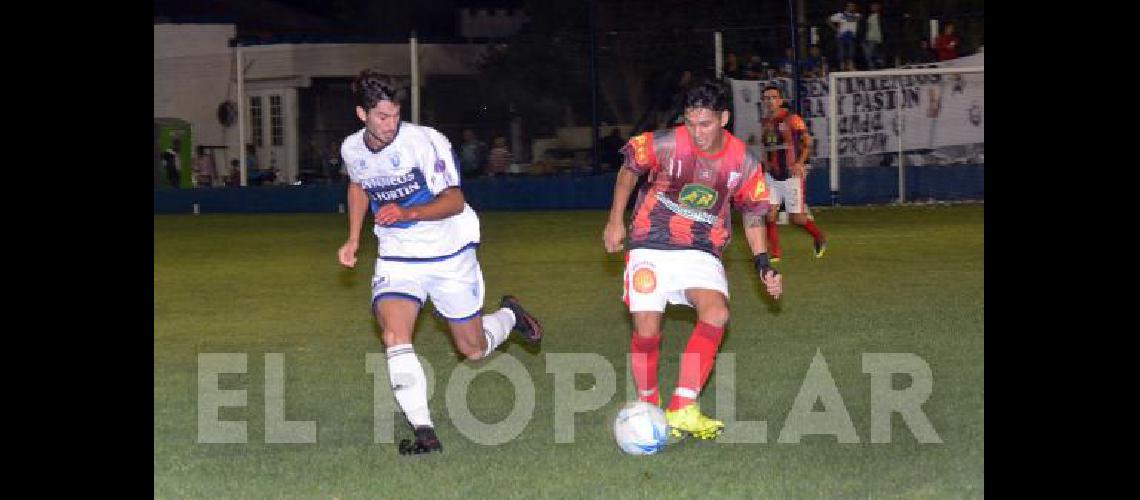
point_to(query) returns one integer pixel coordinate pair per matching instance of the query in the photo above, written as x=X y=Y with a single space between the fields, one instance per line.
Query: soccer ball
x=640 y=428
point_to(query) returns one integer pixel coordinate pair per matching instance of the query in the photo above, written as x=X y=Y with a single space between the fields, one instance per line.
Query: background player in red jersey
x=787 y=146
x=680 y=227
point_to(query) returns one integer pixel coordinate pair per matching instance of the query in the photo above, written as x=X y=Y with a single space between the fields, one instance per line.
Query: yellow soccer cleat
x=820 y=247
x=689 y=420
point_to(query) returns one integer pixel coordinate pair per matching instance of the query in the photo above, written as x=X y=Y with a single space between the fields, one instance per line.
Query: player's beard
x=379 y=140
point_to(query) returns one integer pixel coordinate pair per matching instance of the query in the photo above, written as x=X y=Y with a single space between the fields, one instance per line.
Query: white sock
x=496 y=327
x=409 y=384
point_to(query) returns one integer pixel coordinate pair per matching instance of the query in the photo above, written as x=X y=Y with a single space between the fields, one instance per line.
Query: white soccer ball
x=640 y=428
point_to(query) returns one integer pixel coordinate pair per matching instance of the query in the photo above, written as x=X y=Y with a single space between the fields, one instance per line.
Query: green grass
x=894 y=280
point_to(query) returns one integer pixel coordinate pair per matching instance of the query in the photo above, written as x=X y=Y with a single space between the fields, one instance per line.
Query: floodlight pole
x=412 y=45
x=594 y=83
x=241 y=114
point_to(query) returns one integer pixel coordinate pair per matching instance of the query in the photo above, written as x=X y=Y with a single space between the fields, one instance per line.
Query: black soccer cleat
x=426 y=442
x=525 y=324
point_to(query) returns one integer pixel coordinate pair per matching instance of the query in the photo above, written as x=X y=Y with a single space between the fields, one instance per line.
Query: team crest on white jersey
x=357 y=168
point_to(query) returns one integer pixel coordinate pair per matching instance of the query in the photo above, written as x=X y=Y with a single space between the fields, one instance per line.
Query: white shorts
x=790 y=192
x=455 y=284
x=656 y=277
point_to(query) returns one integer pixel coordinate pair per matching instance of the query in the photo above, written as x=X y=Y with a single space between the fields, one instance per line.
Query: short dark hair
x=371 y=87
x=773 y=87
x=711 y=94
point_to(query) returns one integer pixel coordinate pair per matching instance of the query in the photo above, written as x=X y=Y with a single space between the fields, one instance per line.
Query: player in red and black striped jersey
x=685 y=202
x=680 y=226
x=787 y=146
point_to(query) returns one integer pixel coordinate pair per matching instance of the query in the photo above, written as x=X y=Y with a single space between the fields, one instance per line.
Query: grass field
x=894 y=280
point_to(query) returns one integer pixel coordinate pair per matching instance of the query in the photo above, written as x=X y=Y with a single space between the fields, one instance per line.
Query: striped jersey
x=783 y=135
x=685 y=201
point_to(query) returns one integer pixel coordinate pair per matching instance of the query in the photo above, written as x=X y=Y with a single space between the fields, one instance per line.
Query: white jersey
x=411 y=171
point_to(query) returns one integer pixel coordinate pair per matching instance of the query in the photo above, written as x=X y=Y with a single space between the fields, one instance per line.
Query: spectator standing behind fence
x=946 y=45
x=472 y=154
x=812 y=64
x=170 y=163
x=234 y=177
x=753 y=70
x=732 y=67
x=785 y=67
x=846 y=26
x=500 y=158
x=920 y=53
x=872 y=34
x=204 y=169
x=250 y=160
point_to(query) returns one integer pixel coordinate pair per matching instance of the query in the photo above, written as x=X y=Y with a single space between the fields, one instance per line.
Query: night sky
x=428 y=17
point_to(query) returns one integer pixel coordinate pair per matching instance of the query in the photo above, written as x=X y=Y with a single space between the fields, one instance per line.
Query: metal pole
x=795 y=93
x=906 y=72
x=833 y=134
x=594 y=82
x=415 y=79
x=718 y=41
x=901 y=128
x=241 y=115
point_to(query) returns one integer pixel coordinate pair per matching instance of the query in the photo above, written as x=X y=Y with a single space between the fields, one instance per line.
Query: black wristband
x=762 y=264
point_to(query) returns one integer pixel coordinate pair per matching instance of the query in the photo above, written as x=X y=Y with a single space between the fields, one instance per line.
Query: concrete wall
x=194 y=72
x=859 y=185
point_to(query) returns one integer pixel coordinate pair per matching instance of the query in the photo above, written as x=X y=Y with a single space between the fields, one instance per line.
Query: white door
x=272 y=132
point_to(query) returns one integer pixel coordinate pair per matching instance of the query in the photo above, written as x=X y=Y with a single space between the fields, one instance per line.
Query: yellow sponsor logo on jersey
x=641 y=149
x=758 y=192
x=697 y=196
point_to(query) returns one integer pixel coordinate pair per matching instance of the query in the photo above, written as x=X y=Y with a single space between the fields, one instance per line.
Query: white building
x=195 y=73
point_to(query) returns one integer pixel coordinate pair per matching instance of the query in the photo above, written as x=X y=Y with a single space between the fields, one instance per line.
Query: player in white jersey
x=427 y=239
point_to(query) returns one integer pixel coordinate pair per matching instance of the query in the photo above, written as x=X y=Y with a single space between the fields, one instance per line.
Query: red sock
x=809 y=226
x=643 y=360
x=773 y=239
x=696 y=364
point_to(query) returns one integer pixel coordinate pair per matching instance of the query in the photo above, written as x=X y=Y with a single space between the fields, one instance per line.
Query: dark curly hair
x=371 y=87
x=711 y=94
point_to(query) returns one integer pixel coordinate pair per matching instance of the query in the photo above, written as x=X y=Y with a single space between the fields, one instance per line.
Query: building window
x=276 y=121
x=255 y=119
